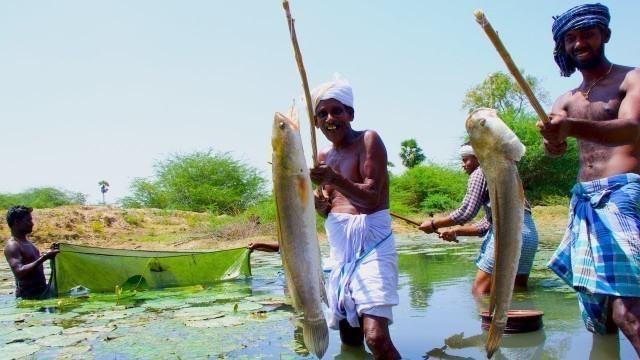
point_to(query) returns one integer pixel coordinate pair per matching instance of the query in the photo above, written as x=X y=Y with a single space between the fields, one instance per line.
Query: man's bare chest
x=598 y=110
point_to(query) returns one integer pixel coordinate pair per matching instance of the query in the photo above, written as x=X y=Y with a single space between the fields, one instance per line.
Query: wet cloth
x=599 y=255
x=486 y=258
x=364 y=279
x=338 y=89
x=579 y=17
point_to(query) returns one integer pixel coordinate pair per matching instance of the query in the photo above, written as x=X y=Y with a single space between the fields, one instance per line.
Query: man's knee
x=626 y=312
x=350 y=335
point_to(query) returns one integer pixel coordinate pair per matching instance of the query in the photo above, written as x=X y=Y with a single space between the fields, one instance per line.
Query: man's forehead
x=329 y=103
x=583 y=29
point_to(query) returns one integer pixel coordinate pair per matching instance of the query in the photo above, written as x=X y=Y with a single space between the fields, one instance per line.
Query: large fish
x=497 y=149
x=296 y=223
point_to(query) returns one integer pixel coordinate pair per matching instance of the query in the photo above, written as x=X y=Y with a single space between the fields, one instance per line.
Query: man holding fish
x=599 y=255
x=477 y=196
x=362 y=286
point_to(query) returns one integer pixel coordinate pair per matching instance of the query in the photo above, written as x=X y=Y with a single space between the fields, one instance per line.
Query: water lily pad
x=66 y=340
x=69 y=352
x=165 y=304
x=200 y=313
x=30 y=333
x=240 y=306
x=18 y=350
x=214 y=323
x=99 y=329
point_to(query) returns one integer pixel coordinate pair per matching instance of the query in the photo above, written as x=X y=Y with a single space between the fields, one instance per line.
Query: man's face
x=469 y=163
x=24 y=225
x=586 y=46
x=333 y=119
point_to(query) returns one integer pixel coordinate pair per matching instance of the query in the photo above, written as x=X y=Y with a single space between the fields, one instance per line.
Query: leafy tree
x=410 y=153
x=544 y=179
x=200 y=181
x=499 y=91
x=42 y=198
x=104 y=187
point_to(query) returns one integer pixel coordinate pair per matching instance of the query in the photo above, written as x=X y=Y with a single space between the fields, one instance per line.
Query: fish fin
x=493 y=197
x=494 y=338
x=316 y=337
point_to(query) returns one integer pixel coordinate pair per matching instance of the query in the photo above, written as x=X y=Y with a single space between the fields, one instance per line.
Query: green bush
x=200 y=181
x=42 y=198
x=409 y=192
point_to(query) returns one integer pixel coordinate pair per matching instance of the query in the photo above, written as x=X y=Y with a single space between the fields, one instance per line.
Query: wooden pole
x=303 y=75
x=513 y=69
x=413 y=222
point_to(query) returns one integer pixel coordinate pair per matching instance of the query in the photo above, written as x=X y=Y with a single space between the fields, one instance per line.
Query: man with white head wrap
x=362 y=285
x=478 y=196
x=599 y=254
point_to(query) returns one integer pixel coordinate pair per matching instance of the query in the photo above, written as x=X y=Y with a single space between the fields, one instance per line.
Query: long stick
x=513 y=69
x=303 y=75
x=414 y=223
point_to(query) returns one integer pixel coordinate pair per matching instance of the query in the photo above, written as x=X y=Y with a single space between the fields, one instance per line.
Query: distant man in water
x=477 y=197
x=23 y=257
x=599 y=255
x=362 y=285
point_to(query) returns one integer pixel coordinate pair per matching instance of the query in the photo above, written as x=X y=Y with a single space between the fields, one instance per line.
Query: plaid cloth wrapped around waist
x=600 y=250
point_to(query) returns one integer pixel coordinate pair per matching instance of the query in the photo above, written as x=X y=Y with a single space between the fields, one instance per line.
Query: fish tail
x=494 y=338
x=316 y=337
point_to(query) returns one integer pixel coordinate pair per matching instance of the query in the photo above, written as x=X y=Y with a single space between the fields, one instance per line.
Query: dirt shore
x=155 y=229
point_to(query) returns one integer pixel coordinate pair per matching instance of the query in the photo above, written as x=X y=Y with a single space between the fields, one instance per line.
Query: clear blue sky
x=93 y=90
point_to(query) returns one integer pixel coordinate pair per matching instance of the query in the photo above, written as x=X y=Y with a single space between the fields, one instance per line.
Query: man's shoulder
x=11 y=246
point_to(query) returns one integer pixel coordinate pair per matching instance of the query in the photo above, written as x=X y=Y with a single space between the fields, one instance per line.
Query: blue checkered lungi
x=486 y=257
x=599 y=255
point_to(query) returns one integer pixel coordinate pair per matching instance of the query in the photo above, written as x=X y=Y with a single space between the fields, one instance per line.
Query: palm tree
x=104 y=187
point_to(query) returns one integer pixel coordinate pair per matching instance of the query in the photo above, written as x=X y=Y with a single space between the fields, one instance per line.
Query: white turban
x=466 y=150
x=338 y=89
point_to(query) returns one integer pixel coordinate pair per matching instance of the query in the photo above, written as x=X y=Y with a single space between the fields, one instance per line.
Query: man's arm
x=367 y=193
x=16 y=261
x=624 y=130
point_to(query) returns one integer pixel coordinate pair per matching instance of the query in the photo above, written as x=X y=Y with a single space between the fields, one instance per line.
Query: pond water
x=249 y=318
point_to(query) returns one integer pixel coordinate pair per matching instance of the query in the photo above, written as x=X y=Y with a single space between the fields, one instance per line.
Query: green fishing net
x=101 y=269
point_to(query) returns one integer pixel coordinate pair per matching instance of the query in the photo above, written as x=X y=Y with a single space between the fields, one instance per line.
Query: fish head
x=489 y=134
x=285 y=135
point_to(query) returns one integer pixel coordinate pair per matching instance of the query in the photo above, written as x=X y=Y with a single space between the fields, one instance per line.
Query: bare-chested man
x=23 y=257
x=599 y=255
x=362 y=286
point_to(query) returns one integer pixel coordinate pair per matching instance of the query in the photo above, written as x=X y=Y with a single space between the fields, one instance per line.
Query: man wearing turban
x=363 y=282
x=599 y=255
x=477 y=197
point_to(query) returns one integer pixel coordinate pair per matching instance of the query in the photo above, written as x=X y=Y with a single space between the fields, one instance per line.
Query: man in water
x=23 y=257
x=362 y=285
x=477 y=196
x=599 y=255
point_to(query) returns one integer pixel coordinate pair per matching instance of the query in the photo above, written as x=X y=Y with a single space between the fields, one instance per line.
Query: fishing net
x=101 y=269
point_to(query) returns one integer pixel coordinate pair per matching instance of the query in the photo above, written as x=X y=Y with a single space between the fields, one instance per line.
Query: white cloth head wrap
x=466 y=150
x=338 y=89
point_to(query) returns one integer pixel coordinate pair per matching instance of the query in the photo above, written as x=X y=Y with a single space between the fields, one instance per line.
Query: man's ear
x=606 y=34
x=351 y=111
x=315 y=121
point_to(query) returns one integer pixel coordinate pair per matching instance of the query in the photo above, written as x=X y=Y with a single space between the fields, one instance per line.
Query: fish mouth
x=282 y=120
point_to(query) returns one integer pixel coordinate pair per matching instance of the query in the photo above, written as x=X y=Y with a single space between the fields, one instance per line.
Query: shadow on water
x=251 y=318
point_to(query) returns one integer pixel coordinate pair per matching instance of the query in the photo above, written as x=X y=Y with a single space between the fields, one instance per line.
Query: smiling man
x=599 y=255
x=362 y=285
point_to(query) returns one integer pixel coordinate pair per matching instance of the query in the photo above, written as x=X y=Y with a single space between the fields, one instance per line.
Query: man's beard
x=592 y=62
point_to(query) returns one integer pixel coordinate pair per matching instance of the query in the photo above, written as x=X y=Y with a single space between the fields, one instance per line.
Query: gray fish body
x=497 y=149
x=297 y=236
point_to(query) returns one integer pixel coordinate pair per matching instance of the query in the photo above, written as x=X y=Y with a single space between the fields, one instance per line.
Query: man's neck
x=20 y=237
x=349 y=139
x=594 y=73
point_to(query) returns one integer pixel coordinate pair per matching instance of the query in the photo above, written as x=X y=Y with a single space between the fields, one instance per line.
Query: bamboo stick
x=303 y=75
x=415 y=223
x=513 y=69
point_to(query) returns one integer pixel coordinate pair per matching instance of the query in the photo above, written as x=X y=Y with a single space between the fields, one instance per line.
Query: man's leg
x=482 y=284
x=626 y=315
x=349 y=335
x=376 y=332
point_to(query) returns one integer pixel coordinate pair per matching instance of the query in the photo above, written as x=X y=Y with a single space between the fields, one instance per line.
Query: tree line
x=216 y=182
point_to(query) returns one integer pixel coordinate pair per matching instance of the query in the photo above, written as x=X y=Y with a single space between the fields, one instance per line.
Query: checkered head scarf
x=579 y=17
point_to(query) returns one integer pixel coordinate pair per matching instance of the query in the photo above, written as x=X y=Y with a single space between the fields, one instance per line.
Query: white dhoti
x=364 y=277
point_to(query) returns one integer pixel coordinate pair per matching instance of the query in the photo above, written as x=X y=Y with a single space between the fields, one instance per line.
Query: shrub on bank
x=42 y=198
